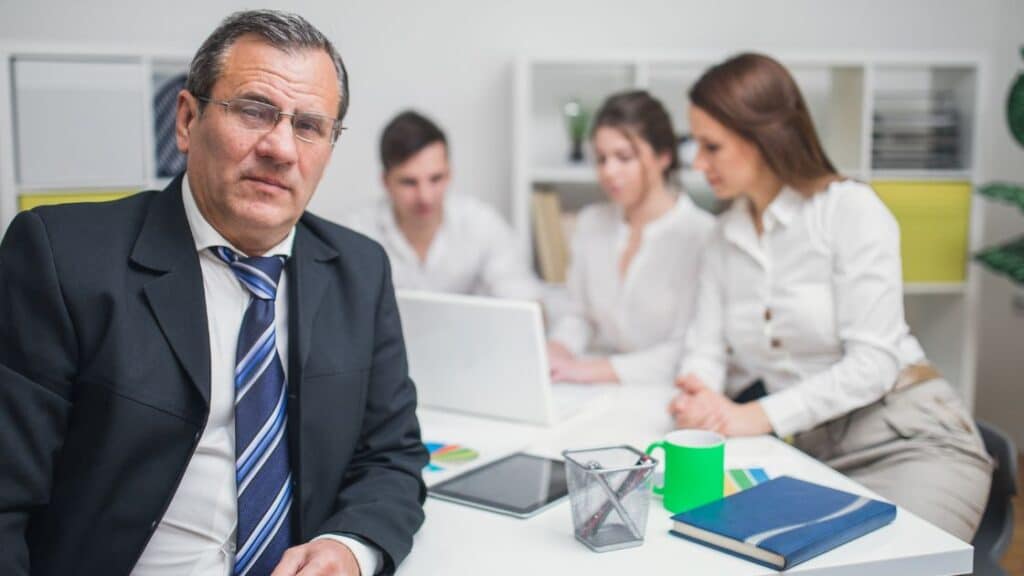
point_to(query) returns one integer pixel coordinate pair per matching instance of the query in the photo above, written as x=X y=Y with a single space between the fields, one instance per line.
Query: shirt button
x=767 y=314
x=153 y=525
x=776 y=343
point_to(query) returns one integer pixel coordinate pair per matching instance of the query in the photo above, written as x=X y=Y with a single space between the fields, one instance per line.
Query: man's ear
x=186 y=114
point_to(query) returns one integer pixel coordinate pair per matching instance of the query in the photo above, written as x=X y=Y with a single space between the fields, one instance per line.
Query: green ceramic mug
x=694 y=468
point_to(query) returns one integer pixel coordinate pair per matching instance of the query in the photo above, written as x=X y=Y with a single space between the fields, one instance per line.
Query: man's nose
x=279 y=144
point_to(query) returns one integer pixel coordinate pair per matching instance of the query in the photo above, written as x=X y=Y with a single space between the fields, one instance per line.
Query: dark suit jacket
x=105 y=385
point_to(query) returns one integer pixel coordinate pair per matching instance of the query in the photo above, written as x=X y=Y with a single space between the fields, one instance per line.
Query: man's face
x=252 y=186
x=417 y=186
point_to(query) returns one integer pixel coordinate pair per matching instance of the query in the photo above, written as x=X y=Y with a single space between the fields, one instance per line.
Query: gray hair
x=288 y=32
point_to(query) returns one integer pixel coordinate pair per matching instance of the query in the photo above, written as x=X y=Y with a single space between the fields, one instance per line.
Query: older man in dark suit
x=207 y=379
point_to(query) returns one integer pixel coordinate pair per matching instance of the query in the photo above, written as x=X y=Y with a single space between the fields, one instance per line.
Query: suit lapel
x=176 y=298
x=309 y=273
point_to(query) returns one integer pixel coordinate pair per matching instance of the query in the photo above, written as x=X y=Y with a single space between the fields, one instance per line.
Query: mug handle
x=659 y=490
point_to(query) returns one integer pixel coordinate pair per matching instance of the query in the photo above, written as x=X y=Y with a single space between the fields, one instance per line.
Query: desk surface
x=460 y=540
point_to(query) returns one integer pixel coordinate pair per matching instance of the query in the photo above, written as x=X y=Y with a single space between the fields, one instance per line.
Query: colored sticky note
x=739 y=479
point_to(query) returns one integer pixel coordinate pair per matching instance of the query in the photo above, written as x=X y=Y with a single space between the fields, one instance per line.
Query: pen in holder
x=608 y=493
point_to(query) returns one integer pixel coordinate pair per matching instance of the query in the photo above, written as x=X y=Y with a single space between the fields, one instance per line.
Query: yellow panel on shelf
x=934 y=218
x=30 y=201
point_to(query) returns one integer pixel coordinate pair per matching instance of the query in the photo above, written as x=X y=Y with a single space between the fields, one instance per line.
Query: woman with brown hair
x=633 y=258
x=801 y=288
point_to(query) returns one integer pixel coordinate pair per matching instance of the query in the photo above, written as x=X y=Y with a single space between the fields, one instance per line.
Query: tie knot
x=259 y=274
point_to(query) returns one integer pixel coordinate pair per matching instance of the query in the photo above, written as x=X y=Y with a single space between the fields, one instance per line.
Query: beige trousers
x=917 y=447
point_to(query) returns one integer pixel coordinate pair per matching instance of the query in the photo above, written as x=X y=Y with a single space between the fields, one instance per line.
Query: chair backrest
x=996 y=528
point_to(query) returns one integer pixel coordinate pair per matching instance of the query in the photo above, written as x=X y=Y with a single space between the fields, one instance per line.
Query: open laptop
x=484 y=356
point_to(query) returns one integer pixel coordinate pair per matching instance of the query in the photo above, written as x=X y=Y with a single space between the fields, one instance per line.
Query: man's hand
x=697 y=406
x=322 y=557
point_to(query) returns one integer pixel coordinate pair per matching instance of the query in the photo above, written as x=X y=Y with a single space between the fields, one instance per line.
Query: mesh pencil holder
x=609 y=493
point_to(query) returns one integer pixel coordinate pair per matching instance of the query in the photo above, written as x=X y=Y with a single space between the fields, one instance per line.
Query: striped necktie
x=262 y=472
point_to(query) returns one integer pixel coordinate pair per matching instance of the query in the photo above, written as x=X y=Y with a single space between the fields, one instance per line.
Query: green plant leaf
x=577 y=118
x=1015 y=108
x=1006 y=259
x=1004 y=192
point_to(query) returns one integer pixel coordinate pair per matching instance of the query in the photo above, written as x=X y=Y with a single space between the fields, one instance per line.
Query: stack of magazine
x=916 y=131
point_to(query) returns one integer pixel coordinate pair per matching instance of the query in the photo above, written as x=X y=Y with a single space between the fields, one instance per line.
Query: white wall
x=453 y=60
x=1000 y=375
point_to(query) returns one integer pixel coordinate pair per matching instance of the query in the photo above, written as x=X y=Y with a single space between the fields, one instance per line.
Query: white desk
x=457 y=540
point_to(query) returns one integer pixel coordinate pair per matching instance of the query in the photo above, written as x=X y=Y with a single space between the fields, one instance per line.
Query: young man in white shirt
x=437 y=241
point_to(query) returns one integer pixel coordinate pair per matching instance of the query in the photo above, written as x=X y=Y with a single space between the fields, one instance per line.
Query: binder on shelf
x=169 y=160
x=29 y=201
x=549 y=240
x=934 y=219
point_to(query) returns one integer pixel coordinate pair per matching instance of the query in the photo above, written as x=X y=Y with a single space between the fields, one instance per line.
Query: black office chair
x=996 y=528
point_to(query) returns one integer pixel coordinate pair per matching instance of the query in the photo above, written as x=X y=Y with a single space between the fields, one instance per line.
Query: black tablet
x=519 y=485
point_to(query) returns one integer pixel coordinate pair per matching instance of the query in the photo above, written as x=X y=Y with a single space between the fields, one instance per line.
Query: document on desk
x=569 y=399
x=490 y=438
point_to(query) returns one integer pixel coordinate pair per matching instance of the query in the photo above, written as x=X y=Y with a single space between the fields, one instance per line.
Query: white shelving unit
x=841 y=91
x=77 y=122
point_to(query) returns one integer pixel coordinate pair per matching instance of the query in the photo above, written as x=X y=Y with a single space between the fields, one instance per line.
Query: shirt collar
x=679 y=210
x=785 y=206
x=737 y=222
x=682 y=206
x=388 y=224
x=206 y=236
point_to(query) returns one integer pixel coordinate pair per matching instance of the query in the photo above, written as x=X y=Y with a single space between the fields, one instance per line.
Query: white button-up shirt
x=196 y=536
x=813 y=306
x=640 y=320
x=473 y=251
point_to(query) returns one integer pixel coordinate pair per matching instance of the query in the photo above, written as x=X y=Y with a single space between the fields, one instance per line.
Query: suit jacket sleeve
x=382 y=497
x=37 y=366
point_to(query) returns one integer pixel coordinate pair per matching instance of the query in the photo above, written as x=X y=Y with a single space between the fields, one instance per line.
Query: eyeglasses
x=254 y=115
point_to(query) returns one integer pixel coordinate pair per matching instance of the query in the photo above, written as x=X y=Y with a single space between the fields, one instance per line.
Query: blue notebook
x=782 y=522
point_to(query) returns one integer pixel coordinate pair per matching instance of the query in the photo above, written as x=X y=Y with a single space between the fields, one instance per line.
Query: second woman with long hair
x=634 y=258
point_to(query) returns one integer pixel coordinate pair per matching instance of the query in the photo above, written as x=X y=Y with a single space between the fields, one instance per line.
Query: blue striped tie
x=262 y=472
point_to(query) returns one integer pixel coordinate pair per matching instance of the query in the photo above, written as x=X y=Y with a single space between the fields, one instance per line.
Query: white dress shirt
x=196 y=536
x=813 y=306
x=473 y=251
x=639 y=320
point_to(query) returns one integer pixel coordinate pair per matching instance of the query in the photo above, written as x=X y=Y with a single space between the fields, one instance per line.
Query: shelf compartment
x=554 y=85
